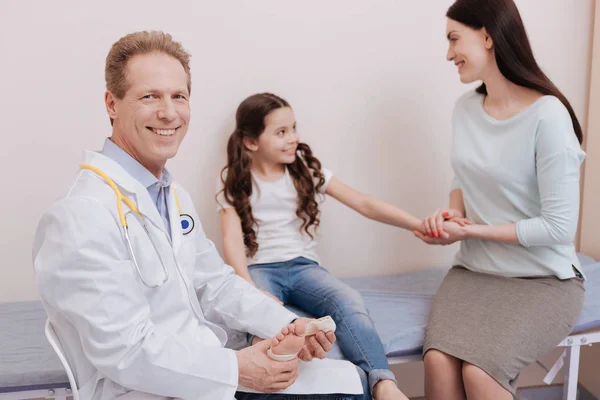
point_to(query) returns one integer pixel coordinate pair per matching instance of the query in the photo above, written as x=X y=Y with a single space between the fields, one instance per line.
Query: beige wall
x=368 y=80
x=590 y=215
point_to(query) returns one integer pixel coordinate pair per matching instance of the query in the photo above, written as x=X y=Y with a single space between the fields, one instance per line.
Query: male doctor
x=150 y=329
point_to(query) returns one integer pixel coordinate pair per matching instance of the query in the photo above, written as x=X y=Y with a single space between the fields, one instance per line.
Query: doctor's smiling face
x=150 y=117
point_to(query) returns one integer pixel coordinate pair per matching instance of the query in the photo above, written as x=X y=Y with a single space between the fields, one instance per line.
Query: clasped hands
x=445 y=226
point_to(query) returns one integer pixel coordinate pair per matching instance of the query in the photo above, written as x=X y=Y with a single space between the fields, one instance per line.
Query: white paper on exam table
x=323 y=377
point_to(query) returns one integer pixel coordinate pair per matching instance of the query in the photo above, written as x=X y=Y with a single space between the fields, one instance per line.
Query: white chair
x=55 y=343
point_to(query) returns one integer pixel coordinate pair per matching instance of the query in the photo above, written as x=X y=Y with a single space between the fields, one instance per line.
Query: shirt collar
x=133 y=167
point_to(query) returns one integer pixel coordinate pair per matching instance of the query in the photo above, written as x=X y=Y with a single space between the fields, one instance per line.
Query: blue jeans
x=363 y=380
x=305 y=284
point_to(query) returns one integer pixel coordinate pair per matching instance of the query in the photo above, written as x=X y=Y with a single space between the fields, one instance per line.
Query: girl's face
x=279 y=141
x=471 y=50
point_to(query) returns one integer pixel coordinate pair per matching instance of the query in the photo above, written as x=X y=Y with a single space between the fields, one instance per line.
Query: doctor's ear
x=110 y=101
x=250 y=144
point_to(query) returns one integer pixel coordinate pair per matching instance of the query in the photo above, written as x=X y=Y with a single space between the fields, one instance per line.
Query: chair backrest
x=55 y=343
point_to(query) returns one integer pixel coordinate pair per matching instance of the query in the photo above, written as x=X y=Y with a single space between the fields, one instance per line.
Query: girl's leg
x=270 y=278
x=319 y=293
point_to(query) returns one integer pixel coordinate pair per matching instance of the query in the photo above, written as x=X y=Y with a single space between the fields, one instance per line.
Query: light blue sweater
x=526 y=170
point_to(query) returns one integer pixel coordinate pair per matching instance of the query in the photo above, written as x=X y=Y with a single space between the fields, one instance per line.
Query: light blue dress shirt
x=157 y=188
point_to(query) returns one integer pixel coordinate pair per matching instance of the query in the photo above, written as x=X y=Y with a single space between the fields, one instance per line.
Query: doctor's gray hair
x=140 y=43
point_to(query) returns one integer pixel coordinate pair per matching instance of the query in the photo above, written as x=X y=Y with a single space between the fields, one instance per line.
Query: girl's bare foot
x=387 y=390
x=289 y=339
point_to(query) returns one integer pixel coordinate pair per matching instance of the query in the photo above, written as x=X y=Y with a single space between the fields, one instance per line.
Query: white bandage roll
x=325 y=324
x=280 y=357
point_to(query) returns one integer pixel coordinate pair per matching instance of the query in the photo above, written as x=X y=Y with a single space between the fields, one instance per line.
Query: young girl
x=269 y=207
x=516 y=289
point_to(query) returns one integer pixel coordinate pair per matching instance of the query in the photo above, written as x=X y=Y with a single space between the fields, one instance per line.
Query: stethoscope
x=187 y=223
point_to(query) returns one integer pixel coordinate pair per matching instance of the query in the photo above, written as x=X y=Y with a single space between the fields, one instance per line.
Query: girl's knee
x=348 y=299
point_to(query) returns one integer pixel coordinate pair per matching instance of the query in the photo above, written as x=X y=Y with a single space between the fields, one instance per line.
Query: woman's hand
x=433 y=226
x=452 y=231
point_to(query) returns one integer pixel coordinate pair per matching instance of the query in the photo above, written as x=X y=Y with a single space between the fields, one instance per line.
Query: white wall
x=368 y=81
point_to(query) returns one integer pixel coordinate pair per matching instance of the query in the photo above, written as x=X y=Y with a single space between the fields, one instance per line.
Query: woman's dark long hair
x=237 y=176
x=514 y=56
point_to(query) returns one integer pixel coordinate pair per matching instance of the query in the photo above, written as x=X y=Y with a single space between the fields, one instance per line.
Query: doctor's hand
x=316 y=346
x=257 y=371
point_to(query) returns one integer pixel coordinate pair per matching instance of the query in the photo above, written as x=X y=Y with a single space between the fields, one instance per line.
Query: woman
x=516 y=289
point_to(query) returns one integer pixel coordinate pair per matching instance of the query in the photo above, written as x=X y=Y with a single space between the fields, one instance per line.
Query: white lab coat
x=125 y=340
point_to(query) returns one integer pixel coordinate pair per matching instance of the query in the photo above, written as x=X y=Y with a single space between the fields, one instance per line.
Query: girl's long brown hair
x=237 y=176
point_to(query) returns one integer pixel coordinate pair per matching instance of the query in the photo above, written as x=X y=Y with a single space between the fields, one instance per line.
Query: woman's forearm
x=506 y=233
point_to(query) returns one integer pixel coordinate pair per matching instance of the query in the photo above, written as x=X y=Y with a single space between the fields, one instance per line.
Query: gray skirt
x=502 y=324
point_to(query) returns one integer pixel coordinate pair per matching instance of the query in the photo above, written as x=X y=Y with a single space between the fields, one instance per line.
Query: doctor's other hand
x=317 y=345
x=258 y=372
x=452 y=232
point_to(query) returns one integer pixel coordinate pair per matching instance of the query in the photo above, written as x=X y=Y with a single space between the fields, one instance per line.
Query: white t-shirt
x=274 y=207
